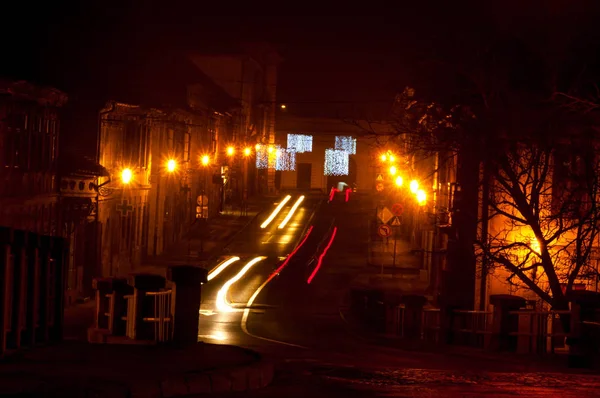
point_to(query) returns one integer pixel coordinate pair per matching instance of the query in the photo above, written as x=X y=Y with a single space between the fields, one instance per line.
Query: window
x=570 y=185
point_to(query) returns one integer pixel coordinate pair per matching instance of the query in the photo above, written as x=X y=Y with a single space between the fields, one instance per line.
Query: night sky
x=332 y=64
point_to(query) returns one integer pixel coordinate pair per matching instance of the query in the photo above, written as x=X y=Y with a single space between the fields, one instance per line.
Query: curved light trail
x=291 y=212
x=310 y=278
x=244 y=322
x=275 y=212
x=222 y=303
x=213 y=274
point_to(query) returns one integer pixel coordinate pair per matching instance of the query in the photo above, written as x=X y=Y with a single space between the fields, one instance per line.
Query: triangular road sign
x=396 y=221
x=379 y=177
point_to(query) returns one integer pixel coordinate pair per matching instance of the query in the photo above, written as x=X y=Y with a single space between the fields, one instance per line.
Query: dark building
x=38 y=192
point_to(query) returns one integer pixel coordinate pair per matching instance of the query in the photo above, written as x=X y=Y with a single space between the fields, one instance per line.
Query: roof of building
x=23 y=90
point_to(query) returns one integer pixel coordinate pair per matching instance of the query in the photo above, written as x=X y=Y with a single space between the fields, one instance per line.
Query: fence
x=540 y=332
x=32 y=280
x=527 y=331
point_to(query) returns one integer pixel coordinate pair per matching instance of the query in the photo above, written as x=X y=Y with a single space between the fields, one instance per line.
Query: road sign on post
x=379 y=177
x=397 y=209
x=384 y=214
x=379 y=187
x=396 y=221
x=384 y=231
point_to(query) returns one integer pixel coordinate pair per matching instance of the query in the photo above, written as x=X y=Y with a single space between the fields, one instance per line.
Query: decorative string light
x=346 y=143
x=285 y=160
x=336 y=162
x=300 y=143
x=262 y=157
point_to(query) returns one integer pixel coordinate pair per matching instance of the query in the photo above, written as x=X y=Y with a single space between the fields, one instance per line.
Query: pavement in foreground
x=297 y=323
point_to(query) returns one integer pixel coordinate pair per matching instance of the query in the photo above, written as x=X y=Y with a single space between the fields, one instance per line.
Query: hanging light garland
x=285 y=159
x=300 y=143
x=336 y=162
x=346 y=143
x=262 y=156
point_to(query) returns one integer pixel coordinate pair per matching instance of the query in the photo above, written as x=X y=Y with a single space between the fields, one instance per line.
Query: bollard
x=6 y=286
x=188 y=281
x=33 y=289
x=503 y=322
x=413 y=315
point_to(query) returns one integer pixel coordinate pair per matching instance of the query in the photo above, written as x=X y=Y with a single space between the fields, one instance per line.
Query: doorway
x=303 y=176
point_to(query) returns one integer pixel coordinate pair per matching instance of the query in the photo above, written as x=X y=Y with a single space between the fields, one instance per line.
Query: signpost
x=379 y=187
x=384 y=231
x=395 y=222
x=397 y=209
x=379 y=178
x=384 y=214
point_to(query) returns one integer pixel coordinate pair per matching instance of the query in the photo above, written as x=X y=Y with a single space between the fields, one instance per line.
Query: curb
x=236 y=379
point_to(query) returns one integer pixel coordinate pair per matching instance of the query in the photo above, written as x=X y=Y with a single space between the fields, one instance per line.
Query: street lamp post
x=171 y=166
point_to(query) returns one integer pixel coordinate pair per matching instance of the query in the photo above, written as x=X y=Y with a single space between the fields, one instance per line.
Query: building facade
x=39 y=192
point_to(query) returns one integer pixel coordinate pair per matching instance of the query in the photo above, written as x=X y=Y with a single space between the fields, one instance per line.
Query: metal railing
x=162 y=316
x=471 y=328
x=395 y=320
x=431 y=325
x=540 y=332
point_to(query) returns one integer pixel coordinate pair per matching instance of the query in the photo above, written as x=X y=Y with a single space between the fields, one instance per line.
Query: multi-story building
x=39 y=192
x=249 y=75
x=165 y=165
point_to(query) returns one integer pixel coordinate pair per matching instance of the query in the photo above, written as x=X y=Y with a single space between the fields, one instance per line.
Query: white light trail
x=291 y=212
x=213 y=274
x=275 y=212
x=221 y=303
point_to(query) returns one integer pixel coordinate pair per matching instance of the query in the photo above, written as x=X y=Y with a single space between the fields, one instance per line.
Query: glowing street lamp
x=383 y=157
x=205 y=160
x=392 y=158
x=421 y=197
x=393 y=170
x=247 y=151
x=126 y=175
x=257 y=147
x=171 y=165
x=414 y=186
x=270 y=149
x=230 y=151
x=399 y=181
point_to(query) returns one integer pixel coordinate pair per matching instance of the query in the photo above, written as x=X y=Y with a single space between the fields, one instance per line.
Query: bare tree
x=544 y=215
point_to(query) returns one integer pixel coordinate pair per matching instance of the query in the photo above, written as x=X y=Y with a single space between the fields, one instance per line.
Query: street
x=263 y=301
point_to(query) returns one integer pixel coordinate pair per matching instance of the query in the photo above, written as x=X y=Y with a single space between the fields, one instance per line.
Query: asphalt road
x=254 y=302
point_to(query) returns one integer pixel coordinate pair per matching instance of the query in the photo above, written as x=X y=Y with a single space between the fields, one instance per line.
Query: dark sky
x=328 y=59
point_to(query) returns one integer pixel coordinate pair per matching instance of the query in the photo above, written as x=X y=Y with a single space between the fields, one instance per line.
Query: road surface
x=259 y=296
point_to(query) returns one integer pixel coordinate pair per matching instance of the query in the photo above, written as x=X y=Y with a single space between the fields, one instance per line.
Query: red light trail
x=310 y=278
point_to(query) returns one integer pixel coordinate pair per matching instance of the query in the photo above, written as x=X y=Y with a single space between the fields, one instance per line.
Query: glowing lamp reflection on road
x=221 y=302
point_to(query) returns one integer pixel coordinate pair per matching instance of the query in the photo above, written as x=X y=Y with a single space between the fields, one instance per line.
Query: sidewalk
x=475 y=357
x=85 y=370
x=207 y=238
